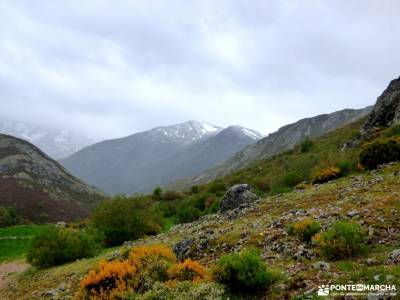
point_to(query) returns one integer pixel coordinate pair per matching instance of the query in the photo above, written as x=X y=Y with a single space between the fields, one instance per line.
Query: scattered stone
x=352 y=213
x=61 y=224
x=322 y=265
x=183 y=249
x=304 y=254
x=394 y=256
x=371 y=261
x=389 y=277
x=236 y=196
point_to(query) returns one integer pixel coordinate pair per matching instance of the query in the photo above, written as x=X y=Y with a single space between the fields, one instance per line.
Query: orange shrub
x=108 y=278
x=142 y=255
x=326 y=175
x=144 y=267
x=189 y=270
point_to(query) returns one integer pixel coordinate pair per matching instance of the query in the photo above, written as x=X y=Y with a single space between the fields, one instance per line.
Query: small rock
x=394 y=256
x=322 y=265
x=371 y=261
x=61 y=224
x=304 y=253
x=352 y=213
x=389 y=277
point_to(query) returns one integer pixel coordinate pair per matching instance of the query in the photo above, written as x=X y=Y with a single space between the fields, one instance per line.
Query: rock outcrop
x=237 y=195
x=386 y=112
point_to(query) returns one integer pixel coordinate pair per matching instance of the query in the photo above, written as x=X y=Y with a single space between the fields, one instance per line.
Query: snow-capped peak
x=188 y=132
x=253 y=134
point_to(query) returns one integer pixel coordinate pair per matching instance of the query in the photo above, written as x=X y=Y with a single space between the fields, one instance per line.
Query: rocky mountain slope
x=38 y=187
x=283 y=139
x=144 y=160
x=54 y=142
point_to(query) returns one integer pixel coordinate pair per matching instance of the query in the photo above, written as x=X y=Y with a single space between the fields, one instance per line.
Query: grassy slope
x=15 y=240
x=375 y=196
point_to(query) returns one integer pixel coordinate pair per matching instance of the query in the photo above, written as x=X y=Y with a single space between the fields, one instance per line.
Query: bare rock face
x=236 y=196
x=386 y=112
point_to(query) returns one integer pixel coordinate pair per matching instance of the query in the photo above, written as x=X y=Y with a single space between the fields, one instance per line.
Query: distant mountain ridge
x=40 y=188
x=56 y=143
x=139 y=162
x=283 y=139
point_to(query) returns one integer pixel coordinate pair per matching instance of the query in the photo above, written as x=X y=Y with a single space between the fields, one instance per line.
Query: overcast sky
x=112 y=68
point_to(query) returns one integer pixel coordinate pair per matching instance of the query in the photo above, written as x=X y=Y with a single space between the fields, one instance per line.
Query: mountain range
x=283 y=139
x=144 y=160
x=40 y=188
x=57 y=143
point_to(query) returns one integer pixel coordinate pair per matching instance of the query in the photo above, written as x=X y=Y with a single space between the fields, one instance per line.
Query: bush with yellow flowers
x=189 y=270
x=144 y=267
x=326 y=175
x=304 y=229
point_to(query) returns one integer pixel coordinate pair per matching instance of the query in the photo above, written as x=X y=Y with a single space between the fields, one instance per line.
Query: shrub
x=213 y=207
x=56 y=246
x=304 y=229
x=342 y=240
x=380 y=152
x=157 y=193
x=195 y=189
x=393 y=131
x=8 y=216
x=301 y=186
x=143 y=274
x=145 y=266
x=263 y=184
x=188 y=214
x=189 y=270
x=291 y=179
x=209 y=201
x=346 y=167
x=217 y=186
x=172 y=195
x=182 y=290
x=167 y=209
x=243 y=271
x=306 y=145
x=122 y=219
x=107 y=279
x=153 y=263
x=326 y=175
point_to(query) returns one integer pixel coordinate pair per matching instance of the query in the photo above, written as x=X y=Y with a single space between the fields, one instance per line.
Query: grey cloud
x=111 y=68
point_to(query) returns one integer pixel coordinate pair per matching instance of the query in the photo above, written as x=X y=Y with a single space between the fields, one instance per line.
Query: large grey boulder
x=237 y=195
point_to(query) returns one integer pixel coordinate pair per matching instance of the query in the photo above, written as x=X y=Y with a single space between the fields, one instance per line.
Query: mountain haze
x=54 y=142
x=140 y=162
x=283 y=139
